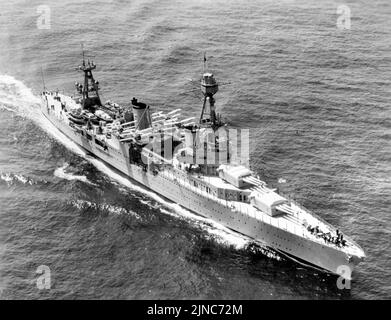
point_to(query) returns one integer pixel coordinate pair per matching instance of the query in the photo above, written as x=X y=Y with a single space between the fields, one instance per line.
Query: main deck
x=293 y=218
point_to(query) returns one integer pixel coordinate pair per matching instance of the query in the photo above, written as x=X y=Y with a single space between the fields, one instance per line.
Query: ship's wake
x=18 y=98
x=12 y=178
x=84 y=205
x=63 y=174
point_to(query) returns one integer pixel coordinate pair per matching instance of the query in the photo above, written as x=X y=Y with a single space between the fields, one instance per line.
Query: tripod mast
x=90 y=89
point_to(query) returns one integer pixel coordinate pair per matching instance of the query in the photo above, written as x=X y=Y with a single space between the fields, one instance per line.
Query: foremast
x=89 y=91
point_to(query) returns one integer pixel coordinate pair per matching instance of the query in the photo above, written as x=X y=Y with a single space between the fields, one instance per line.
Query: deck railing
x=239 y=207
x=283 y=224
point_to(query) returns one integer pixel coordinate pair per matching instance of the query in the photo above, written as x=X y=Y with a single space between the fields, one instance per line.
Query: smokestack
x=141 y=114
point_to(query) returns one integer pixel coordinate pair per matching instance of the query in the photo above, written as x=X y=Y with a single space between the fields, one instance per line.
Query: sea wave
x=15 y=94
x=105 y=207
x=62 y=174
x=12 y=178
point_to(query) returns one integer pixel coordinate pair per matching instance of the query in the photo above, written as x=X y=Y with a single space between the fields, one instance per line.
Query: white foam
x=281 y=180
x=15 y=96
x=6 y=177
x=21 y=178
x=6 y=108
x=62 y=174
x=9 y=178
x=83 y=204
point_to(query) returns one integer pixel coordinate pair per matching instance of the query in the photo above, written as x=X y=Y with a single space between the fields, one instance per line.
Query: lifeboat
x=76 y=118
x=103 y=116
x=88 y=116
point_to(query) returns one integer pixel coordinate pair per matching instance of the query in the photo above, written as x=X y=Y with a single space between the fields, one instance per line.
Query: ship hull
x=311 y=253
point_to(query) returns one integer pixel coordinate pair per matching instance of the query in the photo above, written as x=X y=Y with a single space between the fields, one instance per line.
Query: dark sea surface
x=317 y=100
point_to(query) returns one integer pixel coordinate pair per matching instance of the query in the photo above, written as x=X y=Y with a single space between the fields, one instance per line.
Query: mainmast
x=90 y=89
x=208 y=144
x=209 y=88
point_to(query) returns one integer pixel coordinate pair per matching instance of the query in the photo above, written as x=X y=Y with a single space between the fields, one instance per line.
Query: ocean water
x=316 y=98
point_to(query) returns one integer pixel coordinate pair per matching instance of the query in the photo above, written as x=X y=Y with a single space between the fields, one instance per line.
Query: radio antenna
x=82 y=51
x=43 y=80
x=204 y=62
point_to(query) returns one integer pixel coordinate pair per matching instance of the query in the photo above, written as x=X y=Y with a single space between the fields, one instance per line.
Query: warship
x=194 y=162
